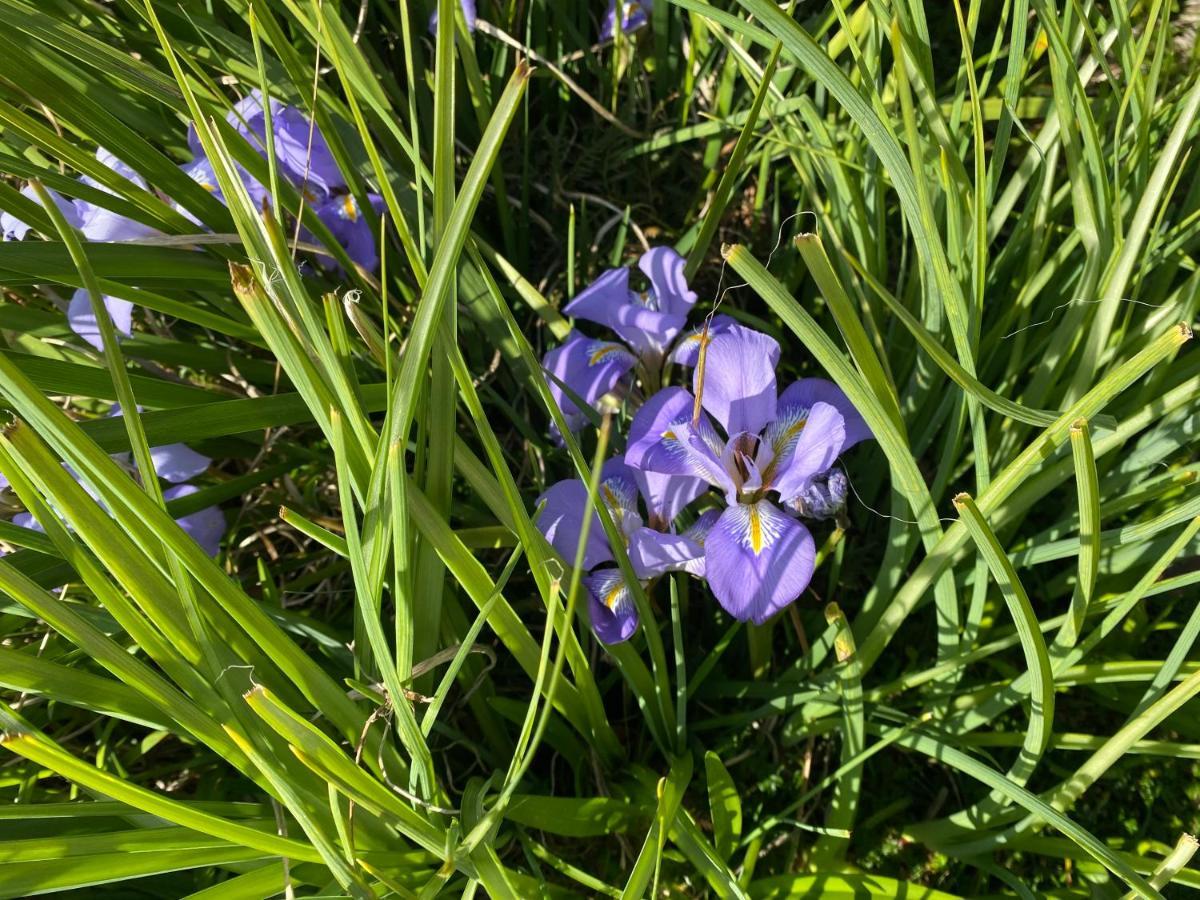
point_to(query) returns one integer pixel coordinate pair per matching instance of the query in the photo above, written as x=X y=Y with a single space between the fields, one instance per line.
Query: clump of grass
x=980 y=221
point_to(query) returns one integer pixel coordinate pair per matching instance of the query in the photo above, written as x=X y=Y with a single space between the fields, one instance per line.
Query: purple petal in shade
x=608 y=301
x=83 y=321
x=697 y=533
x=610 y=605
x=589 y=368
x=205 y=527
x=662 y=439
x=178 y=462
x=469 y=13
x=739 y=379
x=15 y=230
x=664 y=267
x=807 y=391
x=667 y=495
x=634 y=14
x=808 y=447
x=687 y=349
x=345 y=219
x=757 y=560
x=652 y=552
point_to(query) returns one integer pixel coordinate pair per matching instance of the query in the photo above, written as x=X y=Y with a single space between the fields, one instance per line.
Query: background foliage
x=380 y=688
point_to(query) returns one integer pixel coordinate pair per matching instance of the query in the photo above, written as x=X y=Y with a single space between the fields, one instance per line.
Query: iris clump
x=754 y=462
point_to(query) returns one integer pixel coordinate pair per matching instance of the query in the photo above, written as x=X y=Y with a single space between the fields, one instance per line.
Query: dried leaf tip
x=242 y=277
x=961 y=500
x=1079 y=426
x=1185 y=331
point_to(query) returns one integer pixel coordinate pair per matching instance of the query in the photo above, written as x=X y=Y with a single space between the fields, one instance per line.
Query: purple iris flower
x=646 y=321
x=175 y=464
x=308 y=164
x=652 y=551
x=469 y=13
x=634 y=14
x=778 y=451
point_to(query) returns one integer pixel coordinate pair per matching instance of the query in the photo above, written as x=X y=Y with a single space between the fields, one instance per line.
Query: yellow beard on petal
x=350 y=209
x=602 y=352
x=610 y=599
x=756 y=535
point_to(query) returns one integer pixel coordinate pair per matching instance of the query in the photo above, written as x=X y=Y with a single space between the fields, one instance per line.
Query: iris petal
x=608 y=301
x=663 y=439
x=664 y=267
x=817 y=443
x=737 y=385
x=697 y=533
x=561 y=523
x=14 y=229
x=206 y=527
x=652 y=553
x=687 y=350
x=667 y=495
x=611 y=607
x=83 y=322
x=347 y=222
x=757 y=560
x=178 y=462
x=804 y=393
x=589 y=368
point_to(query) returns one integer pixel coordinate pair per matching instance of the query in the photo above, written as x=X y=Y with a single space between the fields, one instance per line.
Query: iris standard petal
x=610 y=606
x=599 y=301
x=561 y=523
x=15 y=230
x=664 y=267
x=739 y=379
x=804 y=393
x=667 y=495
x=589 y=368
x=687 y=349
x=653 y=552
x=697 y=533
x=608 y=301
x=819 y=439
x=757 y=560
x=205 y=527
x=663 y=439
x=82 y=319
